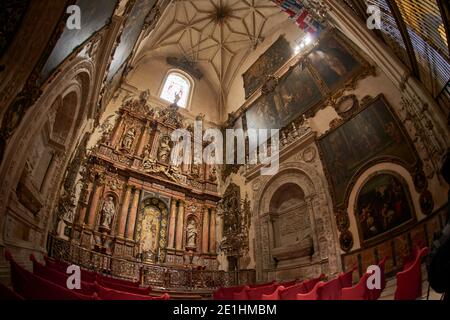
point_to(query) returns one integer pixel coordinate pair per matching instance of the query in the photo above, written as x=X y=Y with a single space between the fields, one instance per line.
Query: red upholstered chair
x=256 y=293
x=33 y=287
x=218 y=294
x=226 y=293
x=291 y=292
x=253 y=286
x=124 y=288
x=375 y=293
x=86 y=276
x=347 y=278
x=289 y=283
x=310 y=284
x=357 y=292
x=241 y=295
x=331 y=290
x=117 y=281
x=111 y=294
x=274 y=296
x=59 y=278
x=165 y=296
x=409 y=281
x=314 y=294
x=6 y=294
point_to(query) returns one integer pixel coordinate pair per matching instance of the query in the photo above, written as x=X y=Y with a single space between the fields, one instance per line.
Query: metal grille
x=149 y=274
x=390 y=31
x=424 y=17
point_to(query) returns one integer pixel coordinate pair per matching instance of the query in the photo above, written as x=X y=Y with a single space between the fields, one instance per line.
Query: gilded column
x=116 y=134
x=84 y=202
x=180 y=226
x=172 y=223
x=98 y=189
x=143 y=140
x=205 y=238
x=212 y=232
x=155 y=144
x=124 y=212
x=133 y=214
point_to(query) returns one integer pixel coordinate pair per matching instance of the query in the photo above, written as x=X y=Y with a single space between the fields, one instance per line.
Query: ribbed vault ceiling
x=216 y=35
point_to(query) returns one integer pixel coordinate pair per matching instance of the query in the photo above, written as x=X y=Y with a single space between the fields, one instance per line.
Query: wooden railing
x=161 y=276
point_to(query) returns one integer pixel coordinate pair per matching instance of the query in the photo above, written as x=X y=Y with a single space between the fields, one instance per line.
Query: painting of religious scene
x=130 y=35
x=94 y=16
x=295 y=94
x=383 y=204
x=272 y=60
x=372 y=134
x=333 y=62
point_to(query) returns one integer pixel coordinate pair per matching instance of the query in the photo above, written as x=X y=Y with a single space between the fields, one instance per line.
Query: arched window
x=177 y=88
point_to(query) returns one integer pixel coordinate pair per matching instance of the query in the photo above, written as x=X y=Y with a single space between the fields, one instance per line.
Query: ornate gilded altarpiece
x=135 y=203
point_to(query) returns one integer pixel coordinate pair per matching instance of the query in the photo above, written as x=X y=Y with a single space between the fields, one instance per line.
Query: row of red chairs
x=287 y=290
x=47 y=282
x=57 y=270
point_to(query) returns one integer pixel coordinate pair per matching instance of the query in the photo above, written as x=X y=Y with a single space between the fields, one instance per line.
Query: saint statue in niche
x=150 y=230
x=108 y=212
x=128 y=139
x=164 y=149
x=192 y=234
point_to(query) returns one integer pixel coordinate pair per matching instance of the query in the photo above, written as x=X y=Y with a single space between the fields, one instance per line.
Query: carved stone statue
x=128 y=139
x=195 y=171
x=174 y=173
x=148 y=164
x=213 y=174
x=108 y=212
x=164 y=149
x=191 y=234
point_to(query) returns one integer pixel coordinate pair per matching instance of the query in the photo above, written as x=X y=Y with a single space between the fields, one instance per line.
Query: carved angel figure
x=149 y=164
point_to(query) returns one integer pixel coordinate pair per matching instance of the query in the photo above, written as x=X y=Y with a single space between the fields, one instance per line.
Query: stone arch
x=74 y=82
x=320 y=210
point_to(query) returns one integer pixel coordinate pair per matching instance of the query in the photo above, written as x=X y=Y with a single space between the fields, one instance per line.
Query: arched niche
x=300 y=193
x=151 y=230
x=65 y=118
x=290 y=223
x=396 y=170
x=72 y=82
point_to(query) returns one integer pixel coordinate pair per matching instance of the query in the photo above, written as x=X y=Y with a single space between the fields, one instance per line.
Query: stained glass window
x=176 y=89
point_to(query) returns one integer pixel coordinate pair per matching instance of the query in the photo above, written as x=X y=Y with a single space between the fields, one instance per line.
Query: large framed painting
x=383 y=205
x=130 y=35
x=335 y=62
x=370 y=136
x=296 y=93
x=272 y=60
x=94 y=16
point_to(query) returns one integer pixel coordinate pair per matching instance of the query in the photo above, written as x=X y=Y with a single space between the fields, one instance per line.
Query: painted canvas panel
x=295 y=94
x=94 y=16
x=372 y=134
x=383 y=204
x=333 y=62
x=272 y=60
x=130 y=35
